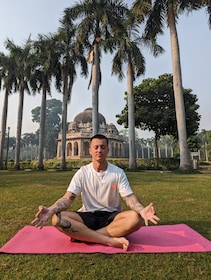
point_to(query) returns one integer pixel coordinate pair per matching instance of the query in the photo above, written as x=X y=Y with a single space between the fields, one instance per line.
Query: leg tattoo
x=65 y=224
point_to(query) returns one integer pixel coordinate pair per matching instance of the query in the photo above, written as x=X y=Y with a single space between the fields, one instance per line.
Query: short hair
x=99 y=136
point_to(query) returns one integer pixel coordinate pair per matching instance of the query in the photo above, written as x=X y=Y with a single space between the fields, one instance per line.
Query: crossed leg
x=112 y=235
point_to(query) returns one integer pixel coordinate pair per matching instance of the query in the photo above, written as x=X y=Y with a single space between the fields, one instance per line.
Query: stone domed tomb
x=80 y=131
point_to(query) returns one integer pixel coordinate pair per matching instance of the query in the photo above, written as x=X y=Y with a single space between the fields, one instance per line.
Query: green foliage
x=208 y=143
x=178 y=198
x=73 y=164
x=30 y=139
x=194 y=143
x=155 y=107
x=161 y=164
x=52 y=124
x=202 y=142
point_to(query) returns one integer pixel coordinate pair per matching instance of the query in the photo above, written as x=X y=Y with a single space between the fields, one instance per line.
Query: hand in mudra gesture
x=42 y=216
x=148 y=214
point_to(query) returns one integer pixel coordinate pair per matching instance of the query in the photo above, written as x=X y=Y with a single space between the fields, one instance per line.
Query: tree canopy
x=53 y=123
x=155 y=108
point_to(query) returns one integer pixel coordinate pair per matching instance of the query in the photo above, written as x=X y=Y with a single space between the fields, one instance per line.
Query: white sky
x=22 y=18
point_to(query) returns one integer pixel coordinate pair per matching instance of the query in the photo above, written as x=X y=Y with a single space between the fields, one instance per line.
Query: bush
x=74 y=164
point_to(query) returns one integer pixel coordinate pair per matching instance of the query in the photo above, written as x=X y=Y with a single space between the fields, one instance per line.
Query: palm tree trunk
x=3 y=128
x=42 y=130
x=185 y=162
x=156 y=147
x=64 y=119
x=131 y=118
x=19 y=128
x=95 y=89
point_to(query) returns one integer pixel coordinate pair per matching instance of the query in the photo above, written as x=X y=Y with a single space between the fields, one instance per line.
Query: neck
x=100 y=166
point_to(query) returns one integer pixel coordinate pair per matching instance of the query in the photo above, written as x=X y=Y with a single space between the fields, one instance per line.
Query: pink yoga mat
x=151 y=239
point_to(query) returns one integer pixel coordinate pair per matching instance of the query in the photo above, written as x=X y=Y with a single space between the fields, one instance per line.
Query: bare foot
x=120 y=242
x=116 y=242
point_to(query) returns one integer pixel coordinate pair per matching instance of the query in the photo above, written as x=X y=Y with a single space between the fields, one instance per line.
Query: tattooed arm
x=44 y=213
x=133 y=203
x=63 y=203
x=147 y=213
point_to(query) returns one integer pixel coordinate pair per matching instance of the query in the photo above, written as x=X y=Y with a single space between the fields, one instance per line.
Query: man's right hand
x=42 y=216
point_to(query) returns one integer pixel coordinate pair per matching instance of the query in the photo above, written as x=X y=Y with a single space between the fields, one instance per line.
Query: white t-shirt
x=100 y=191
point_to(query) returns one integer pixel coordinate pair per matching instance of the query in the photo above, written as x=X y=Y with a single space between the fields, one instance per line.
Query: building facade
x=80 y=131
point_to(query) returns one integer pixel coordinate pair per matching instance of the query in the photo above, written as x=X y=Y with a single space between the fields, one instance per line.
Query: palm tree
x=7 y=80
x=165 y=10
x=97 y=21
x=41 y=80
x=207 y=5
x=22 y=64
x=128 y=41
x=66 y=71
x=129 y=53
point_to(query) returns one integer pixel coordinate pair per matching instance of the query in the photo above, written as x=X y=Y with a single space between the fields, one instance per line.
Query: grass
x=179 y=198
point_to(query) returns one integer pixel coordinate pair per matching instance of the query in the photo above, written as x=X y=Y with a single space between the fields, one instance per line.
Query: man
x=101 y=219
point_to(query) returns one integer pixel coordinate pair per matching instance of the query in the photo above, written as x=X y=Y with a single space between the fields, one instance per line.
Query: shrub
x=74 y=164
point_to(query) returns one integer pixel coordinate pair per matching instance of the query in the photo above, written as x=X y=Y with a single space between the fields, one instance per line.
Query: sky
x=20 y=19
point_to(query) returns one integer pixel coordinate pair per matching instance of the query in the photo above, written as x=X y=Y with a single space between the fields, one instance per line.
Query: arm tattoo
x=133 y=202
x=62 y=203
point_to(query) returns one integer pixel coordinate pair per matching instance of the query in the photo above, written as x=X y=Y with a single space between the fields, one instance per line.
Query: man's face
x=98 y=149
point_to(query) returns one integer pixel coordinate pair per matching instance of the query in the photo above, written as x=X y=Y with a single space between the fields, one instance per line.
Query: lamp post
x=7 y=147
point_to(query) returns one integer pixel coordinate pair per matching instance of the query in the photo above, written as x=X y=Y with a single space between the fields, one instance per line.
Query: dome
x=112 y=128
x=86 y=117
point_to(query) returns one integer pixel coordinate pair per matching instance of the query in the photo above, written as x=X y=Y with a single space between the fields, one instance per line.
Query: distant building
x=80 y=131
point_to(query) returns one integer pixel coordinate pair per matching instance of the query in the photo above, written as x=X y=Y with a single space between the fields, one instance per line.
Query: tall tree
x=30 y=138
x=66 y=72
x=203 y=140
x=207 y=146
x=23 y=61
x=97 y=19
x=165 y=11
x=41 y=81
x=52 y=124
x=7 y=80
x=157 y=97
x=128 y=44
x=207 y=5
x=129 y=53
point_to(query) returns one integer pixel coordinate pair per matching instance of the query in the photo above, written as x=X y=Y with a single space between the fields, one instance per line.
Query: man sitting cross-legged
x=100 y=219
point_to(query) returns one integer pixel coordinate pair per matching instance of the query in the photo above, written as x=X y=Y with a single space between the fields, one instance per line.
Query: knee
x=57 y=219
x=60 y=221
x=135 y=220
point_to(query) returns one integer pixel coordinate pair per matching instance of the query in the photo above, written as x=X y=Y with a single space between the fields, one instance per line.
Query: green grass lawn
x=178 y=198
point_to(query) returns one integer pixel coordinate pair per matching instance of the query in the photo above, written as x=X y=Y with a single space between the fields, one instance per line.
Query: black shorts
x=98 y=219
